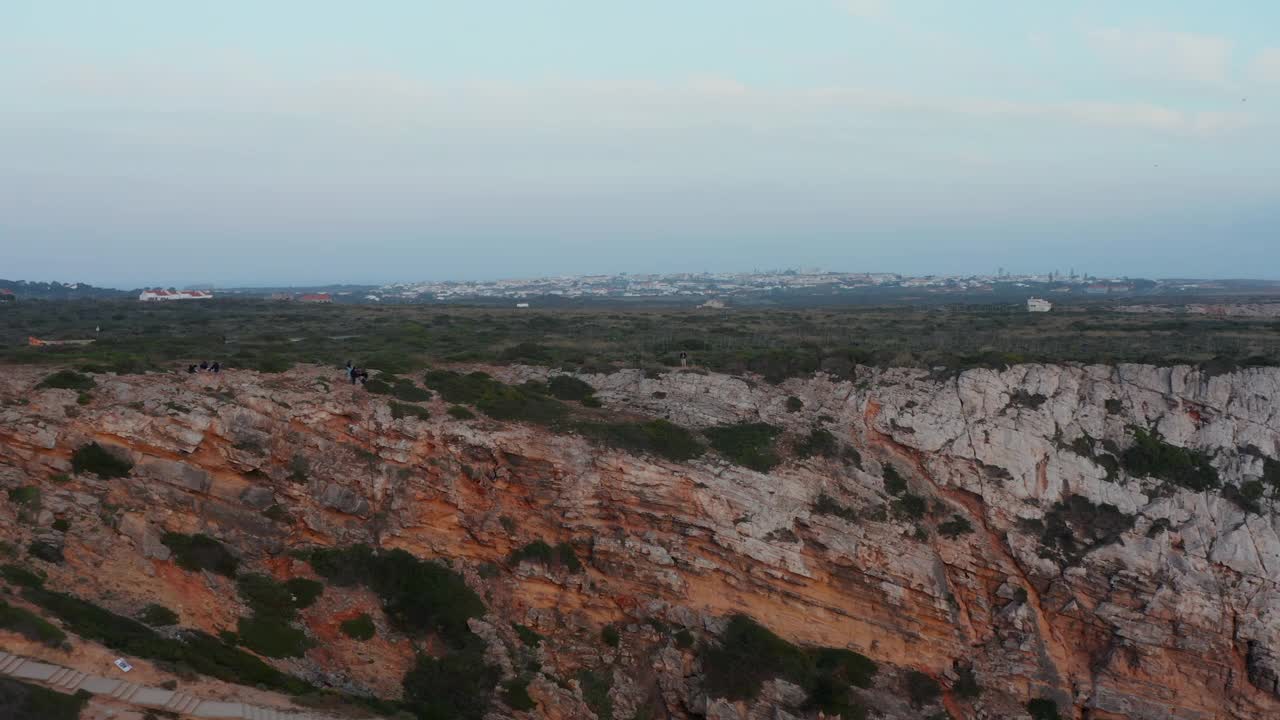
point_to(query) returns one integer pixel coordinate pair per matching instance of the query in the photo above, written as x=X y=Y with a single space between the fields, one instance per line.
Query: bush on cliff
x=561 y=555
x=200 y=552
x=68 y=380
x=659 y=437
x=29 y=625
x=1151 y=456
x=568 y=387
x=93 y=458
x=457 y=686
x=748 y=654
x=360 y=627
x=20 y=701
x=418 y=597
x=200 y=652
x=747 y=444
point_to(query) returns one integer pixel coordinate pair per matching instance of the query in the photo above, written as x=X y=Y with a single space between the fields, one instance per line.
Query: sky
x=152 y=142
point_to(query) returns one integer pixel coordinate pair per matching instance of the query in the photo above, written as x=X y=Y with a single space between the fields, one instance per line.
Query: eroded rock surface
x=1138 y=598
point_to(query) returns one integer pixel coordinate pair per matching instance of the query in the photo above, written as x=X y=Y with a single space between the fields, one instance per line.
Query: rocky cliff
x=1103 y=538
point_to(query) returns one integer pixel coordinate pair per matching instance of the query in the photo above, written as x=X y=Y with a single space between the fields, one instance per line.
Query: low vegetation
x=198 y=651
x=748 y=654
x=955 y=527
x=93 y=458
x=595 y=691
x=559 y=556
x=921 y=688
x=656 y=437
x=29 y=625
x=418 y=597
x=360 y=627
x=457 y=686
x=158 y=616
x=200 y=552
x=567 y=387
x=1043 y=709
x=1151 y=456
x=747 y=444
x=397 y=387
x=819 y=442
x=68 y=380
x=403 y=410
x=827 y=505
x=1075 y=527
x=20 y=701
x=515 y=693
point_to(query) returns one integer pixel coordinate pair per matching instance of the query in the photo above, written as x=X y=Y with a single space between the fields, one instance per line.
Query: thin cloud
x=863 y=8
x=1266 y=65
x=1181 y=56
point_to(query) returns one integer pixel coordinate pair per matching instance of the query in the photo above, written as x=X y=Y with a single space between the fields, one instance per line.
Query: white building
x=158 y=295
x=1038 y=305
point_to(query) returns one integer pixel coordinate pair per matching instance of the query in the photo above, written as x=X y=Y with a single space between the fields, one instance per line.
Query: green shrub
x=458 y=412
x=747 y=444
x=20 y=701
x=1074 y=528
x=402 y=410
x=272 y=637
x=46 y=551
x=922 y=689
x=458 y=686
x=201 y=652
x=966 y=684
x=561 y=555
x=526 y=352
x=21 y=576
x=893 y=482
x=158 y=616
x=515 y=693
x=567 y=387
x=399 y=388
x=684 y=638
x=1022 y=398
x=200 y=552
x=1151 y=456
x=851 y=456
x=527 y=635
x=955 y=527
x=27 y=495
x=911 y=506
x=748 y=655
x=61 y=525
x=609 y=634
x=359 y=628
x=658 y=437
x=794 y=404
x=68 y=380
x=93 y=458
x=29 y=625
x=819 y=442
x=1113 y=406
x=592 y=402
x=418 y=597
x=595 y=692
x=1043 y=709
x=267 y=597
x=305 y=591
x=827 y=505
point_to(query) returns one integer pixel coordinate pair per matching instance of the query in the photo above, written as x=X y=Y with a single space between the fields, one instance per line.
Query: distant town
x=707 y=289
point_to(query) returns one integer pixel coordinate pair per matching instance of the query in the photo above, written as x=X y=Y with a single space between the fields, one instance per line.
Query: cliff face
x=1018 y=544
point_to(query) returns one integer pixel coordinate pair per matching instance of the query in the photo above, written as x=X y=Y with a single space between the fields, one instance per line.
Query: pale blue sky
x=300 y=141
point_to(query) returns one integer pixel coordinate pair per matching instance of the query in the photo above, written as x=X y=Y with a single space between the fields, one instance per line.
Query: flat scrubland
x=775 y=343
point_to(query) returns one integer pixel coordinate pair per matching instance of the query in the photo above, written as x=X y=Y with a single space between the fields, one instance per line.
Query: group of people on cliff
x=205 y=366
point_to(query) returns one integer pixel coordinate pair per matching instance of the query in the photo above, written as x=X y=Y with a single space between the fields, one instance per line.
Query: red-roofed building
x=316 y=298
x=6 y=295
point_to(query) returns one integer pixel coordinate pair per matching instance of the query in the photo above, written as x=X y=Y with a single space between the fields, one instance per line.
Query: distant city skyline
x=310 y=142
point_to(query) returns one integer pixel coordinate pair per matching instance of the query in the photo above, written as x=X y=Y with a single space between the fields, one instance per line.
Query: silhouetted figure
x=216 y=367
x=204 y=364
x=191 y=369
x=684 y=359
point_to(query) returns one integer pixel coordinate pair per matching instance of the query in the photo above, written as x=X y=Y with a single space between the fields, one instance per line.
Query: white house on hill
x=1038 y=305
x=160 y=294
